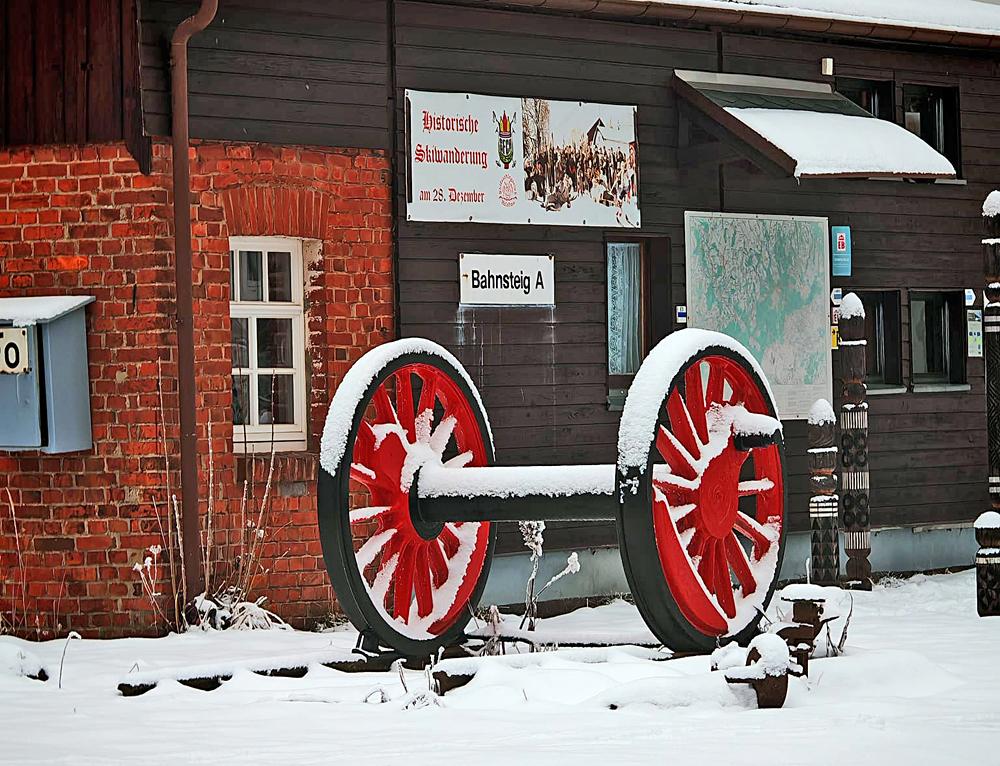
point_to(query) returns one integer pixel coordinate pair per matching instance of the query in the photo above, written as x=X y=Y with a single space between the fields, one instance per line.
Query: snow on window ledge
x=940 y=388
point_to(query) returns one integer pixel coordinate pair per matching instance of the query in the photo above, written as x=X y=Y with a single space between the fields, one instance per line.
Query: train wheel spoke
x=403 y=584
x=677 y=457
x=368 y=513
x=756 y=533
x=741 y=565
x=422 y=582
x=755 y=487
x=437 y=563
x=723 y=581
x=384 y=409
x=372 y=547
x=694 y=394
x=706 y=569
x=404 y=402
x=682 y=425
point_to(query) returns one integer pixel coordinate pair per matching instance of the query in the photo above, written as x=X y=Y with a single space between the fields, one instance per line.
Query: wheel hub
x=428 y=530
x=719 y=494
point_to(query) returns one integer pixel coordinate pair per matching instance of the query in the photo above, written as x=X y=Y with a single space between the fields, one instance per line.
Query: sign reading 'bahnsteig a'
x=506 y=280
x=491 y=159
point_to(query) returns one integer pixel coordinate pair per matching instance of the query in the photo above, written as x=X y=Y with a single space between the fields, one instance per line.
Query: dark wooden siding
x=928 y=461
x=70 y=73
x=304 y=72
x=542 y=372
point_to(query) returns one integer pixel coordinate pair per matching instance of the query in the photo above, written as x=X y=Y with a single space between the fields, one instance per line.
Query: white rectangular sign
x=13 y=350
x=506 y=280
x=492 y=159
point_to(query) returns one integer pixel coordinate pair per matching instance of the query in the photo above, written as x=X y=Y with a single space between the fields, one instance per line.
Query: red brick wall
x=83 y=220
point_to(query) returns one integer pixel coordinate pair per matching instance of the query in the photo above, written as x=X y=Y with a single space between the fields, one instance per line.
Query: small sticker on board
x=835 y=337
x=836 y=296
x=681 y=314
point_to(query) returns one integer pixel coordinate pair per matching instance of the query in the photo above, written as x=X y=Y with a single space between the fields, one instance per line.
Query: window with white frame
x=268 y=343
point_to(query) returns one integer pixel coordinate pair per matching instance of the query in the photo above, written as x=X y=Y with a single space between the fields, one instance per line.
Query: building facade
x=306 y=255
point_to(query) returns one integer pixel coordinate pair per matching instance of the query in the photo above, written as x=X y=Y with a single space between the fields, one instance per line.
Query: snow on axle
x=409 y=496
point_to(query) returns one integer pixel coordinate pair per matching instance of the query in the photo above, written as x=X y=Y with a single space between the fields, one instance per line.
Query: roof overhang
x=803 y=129
x=754 y=17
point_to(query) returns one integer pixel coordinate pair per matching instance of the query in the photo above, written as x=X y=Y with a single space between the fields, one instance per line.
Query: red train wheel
x=709 y=504
x=413 y=583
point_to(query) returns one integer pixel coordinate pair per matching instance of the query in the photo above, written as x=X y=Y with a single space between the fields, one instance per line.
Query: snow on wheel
x=411 y=583
x=701 y=490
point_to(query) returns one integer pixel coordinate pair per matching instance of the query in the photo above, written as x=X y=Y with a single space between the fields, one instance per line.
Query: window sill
x=288 y=467
x=940 y=388
x=886 y=390
x=936 y=181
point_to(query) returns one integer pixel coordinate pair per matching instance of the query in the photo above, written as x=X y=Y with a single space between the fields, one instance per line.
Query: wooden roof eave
x=716 y=121
x=773 y=21
x=722 y=125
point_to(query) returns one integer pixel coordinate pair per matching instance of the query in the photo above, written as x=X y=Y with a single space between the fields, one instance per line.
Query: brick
x=99 y=227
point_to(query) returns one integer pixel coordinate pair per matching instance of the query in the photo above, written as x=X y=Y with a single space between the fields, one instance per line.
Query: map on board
x=765 y=281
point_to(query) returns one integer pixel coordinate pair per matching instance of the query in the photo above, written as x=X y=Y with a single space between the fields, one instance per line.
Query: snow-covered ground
x=919 y=684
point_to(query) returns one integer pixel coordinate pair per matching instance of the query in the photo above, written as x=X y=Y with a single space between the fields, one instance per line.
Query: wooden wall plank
x=104 y=83
x=75 y=70
x=311 y=72
x=50 y=127
x=20 y=111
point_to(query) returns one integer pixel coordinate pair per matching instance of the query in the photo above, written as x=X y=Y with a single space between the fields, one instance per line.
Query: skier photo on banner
x=583 y=154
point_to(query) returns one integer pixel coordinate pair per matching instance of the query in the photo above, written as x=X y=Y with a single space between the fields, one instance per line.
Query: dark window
x=932 y=113
x=882 y=333
x=937 y=337
x=874 y=96
x=638 y=305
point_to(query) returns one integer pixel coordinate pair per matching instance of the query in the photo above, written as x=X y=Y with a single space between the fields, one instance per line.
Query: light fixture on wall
x=826 y=67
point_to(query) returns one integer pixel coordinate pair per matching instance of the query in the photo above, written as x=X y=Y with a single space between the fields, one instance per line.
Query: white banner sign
x=490 y=159
x=506 y=280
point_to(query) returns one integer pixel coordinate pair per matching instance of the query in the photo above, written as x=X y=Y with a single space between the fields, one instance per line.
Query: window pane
x=241 y=343
x=276 y=399
x=279 y=277
x=929 y=334
x=274 y=342
x=875 y=337
x=241 y=400
x=624 y=307
x=251 y=287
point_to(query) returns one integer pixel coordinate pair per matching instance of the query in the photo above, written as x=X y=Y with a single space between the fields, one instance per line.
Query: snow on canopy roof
x=965 y=16
x=24 y=312
x=823 y=144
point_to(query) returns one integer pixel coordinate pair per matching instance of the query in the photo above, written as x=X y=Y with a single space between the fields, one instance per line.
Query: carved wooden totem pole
x=987 y=532
x=823 y=502
x=854 y=442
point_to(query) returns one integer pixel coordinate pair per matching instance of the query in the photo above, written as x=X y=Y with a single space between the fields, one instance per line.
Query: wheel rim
x=717 y=521
x=419 y=577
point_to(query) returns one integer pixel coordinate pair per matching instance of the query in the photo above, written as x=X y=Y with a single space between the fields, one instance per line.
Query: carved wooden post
x=988 y=564
x=988 y=559
x=823 y=502
x=854 y=441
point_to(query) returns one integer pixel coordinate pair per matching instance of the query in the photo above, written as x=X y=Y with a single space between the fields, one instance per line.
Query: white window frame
x=255 y=437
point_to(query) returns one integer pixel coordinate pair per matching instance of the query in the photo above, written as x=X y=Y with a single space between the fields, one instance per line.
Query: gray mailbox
x=44 y=380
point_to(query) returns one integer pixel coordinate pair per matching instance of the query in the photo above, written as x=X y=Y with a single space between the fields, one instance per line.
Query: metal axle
x=508 y=493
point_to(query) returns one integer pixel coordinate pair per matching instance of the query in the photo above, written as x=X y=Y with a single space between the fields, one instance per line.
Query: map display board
x=765 y=281
x=493 y=159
